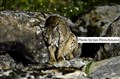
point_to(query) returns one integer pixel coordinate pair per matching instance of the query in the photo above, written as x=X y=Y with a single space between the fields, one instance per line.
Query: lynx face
x=62 y=43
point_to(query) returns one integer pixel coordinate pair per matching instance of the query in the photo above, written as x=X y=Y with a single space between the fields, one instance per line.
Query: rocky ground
x=24 y=54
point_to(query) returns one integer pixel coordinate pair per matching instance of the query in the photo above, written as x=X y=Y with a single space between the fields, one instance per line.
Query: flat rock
x=108 y=68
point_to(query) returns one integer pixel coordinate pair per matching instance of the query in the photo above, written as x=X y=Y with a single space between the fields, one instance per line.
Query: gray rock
x=75 y=62
x=111 y=49
x=95 y=22
x=101 y=21
x=105 y=69
x=25 y=30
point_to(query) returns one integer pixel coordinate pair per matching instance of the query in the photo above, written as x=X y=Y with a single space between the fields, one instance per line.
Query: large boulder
x=105 y=69
x=21 y=32
x=95 y=21
x=100 y=21
x=111 y=49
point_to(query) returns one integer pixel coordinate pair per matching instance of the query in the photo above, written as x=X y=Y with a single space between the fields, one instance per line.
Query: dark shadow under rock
x=90 y=49
x=18 y=52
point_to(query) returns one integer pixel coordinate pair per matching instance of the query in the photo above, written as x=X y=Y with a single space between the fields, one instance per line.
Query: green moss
x=87 y=68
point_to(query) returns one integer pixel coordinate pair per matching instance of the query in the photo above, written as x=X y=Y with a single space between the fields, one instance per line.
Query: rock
x=45 y=72
x=95 y=22
x=105 y=69
x=25 y=28
x=75 y=62
x=18 y=52
x=108 y=68
x=98 y=22
x=111 y=49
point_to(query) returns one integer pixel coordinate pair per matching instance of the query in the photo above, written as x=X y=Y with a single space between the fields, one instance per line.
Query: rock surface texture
x=101 y=21
x=106 y=69
x=20 y=32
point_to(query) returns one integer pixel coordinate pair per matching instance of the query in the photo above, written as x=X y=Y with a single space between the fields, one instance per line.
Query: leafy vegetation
x=87 y=68
x=67 y=8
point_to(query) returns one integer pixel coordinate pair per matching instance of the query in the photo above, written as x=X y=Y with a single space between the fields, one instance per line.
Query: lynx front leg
x=52 y=50
x=60 y=54
x=60 y=57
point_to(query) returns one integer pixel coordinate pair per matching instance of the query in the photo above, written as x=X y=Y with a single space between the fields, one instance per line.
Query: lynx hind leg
x=52 y=50
x=71 y=51
x=77 y=51
x=64 y=53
